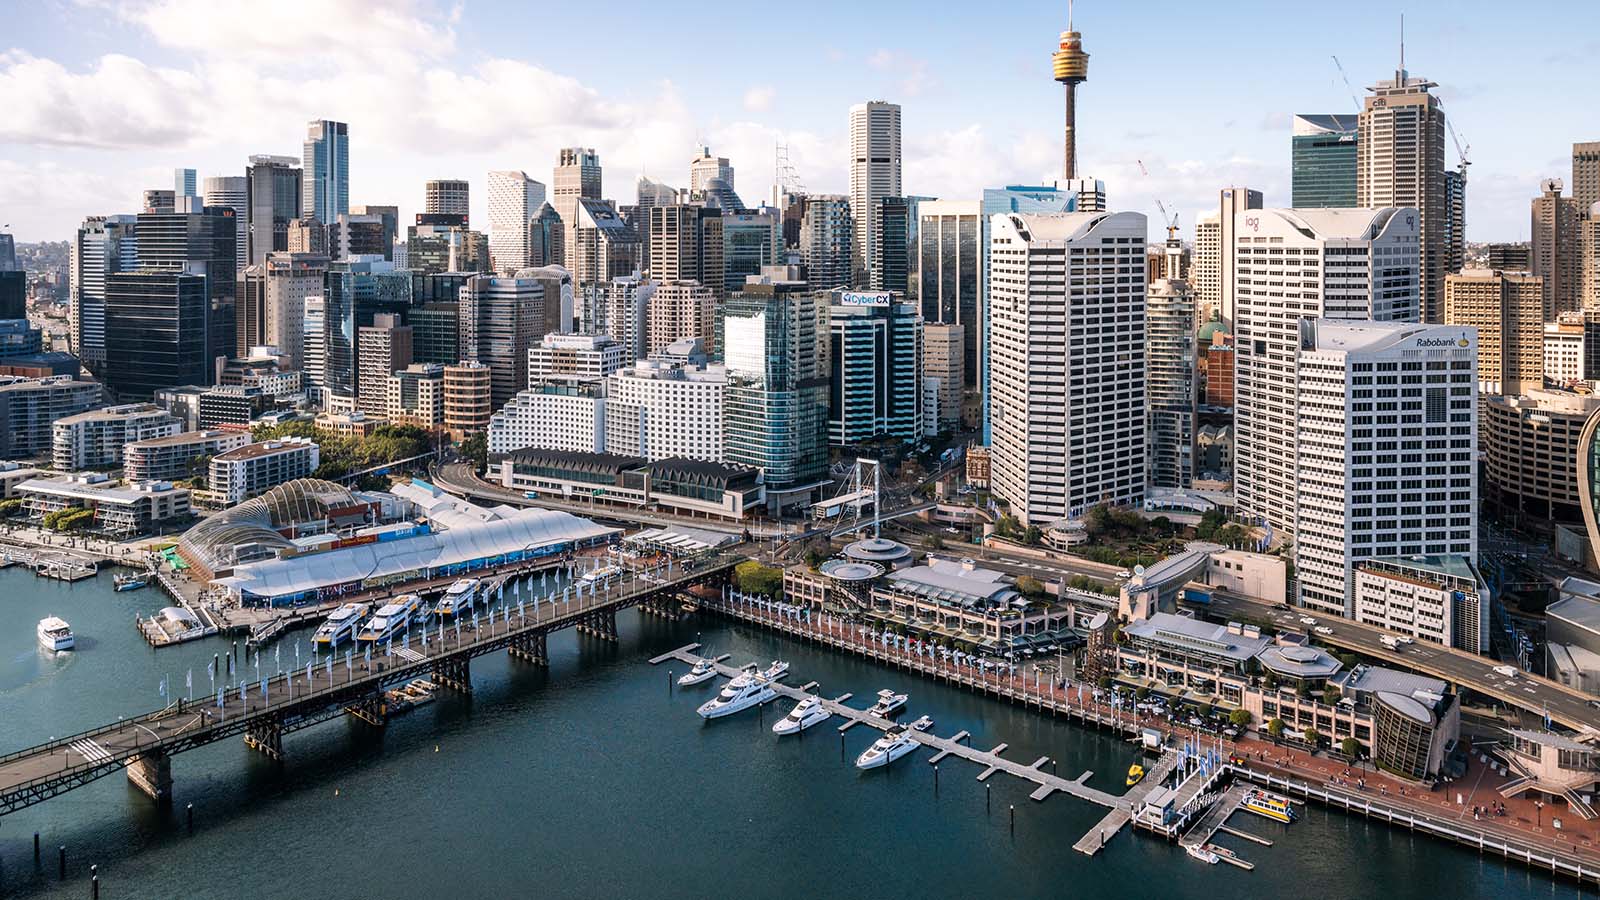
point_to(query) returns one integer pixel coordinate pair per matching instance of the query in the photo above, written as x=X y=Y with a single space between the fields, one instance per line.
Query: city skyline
x=111 y=98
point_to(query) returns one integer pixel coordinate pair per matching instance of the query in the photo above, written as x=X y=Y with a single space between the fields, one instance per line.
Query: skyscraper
x=1170 y=361
x=547 y=242
x=183 y=183
x=1455 y=221
x=1323 y=159
x=686 y=244
x=874 y=174
x=104 y=245
x=1068 y=402
x=1400 y=163
x=325 y=189
x=448 y=197
x=949 y=256
x=827 y=240
x=1507 y=309
x=8 y=253
x=233 y=192
x=603 y=247
x=751 y=241
x=1214 y=257
x=679 y=310
x=160 y=317
x=1556 y=255
x=390 y=216
x=704 y=167
x=891 y=265
x=1346 y=264
x=1586 y=175
x=382 y=348
x=513 y=200
x=626 y=314
x=577 y=177
x=875 y=358
x=289 y=278
x=272 y=194
x=500 y=319
x=200 y=243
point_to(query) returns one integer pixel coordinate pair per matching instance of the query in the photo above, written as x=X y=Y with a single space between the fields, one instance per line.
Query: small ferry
x=54 y=634
x=390 y=619
x=757 y=689
x=339 y=627
x=895 y=743
x=131 y=582
x=458 y=598
x=600 y=575
x=702 y=671
x=1272 y=806
x=805 y=714
x=1135 y=774
x=888 y=702
x=1202 y=853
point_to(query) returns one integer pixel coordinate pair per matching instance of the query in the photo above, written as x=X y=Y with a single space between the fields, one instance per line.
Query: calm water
x=589 y=779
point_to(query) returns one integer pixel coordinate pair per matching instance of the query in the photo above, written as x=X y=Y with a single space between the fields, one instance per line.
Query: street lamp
x=1538 y=806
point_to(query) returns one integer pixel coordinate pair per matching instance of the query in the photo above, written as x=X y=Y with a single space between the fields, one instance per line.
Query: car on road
x=1507 y=671
x=1307 y=620
x=1323 y=629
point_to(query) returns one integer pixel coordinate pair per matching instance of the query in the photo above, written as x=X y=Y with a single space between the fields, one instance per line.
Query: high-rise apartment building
x=514 y=198
x=308 y=235
x=875 y=376
x=1586 y=175
x=468 y=398
x=1556 y=254
x=1323 y=161
x=273 y=190
x=944 y=360
x=382 y=349
x=289 y=278
x=232 y=191
x=1170 y=383
x=679 y=310
x=874 y=174
x=1455 y=222
x=1400 y=163
x=705 y=167
x=1509 y=257
x=775 y=406
x=103 y=246
x=1507 y=310
x=1068 y=402
x=325 y=161
x=625 y=314
x=577 y=177
x=1589 y=259
x=1384 y=450
x=448 y=197
x=1295 y=264
x=1213 y=275
x=500 y=319
x=827 y=240
x=949 y=266
x=686 y=244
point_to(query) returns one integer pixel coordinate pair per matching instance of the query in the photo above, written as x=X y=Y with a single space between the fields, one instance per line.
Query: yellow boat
x=1135 y=774
x=1269 y=805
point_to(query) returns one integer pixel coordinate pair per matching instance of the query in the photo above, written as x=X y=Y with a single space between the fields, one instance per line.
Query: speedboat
x=777 y=670
x=895 y=743
x=131 y=582
x=1199 y=851
x=458 y=597
x=888 y=702
x=922 y=724
x=55 y=634
x=805 y=714
x=340 y=627
x=1135 y=774
x=1271 y=806
x=756 y=689
x=390 y=620
x=703 y=670
x=601 y=574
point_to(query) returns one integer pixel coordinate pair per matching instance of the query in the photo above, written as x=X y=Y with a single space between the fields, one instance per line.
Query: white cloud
x=759 y=98
x=912 y=74
x=298 y=31
x=120 y=102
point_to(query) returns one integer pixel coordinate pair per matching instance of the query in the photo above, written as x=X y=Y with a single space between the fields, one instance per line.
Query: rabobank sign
x=1444 y=342
x=865 y=298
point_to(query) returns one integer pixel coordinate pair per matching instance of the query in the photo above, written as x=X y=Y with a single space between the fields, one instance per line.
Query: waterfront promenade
x=1526 y=833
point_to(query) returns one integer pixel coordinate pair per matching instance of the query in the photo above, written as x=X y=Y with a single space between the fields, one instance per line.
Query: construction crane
x=1461 y=151
x=1168 y=219
x=1354 y=99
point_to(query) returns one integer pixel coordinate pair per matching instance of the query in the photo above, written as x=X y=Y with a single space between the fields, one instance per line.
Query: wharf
x=1215 y=820
x=1114 y=820
x=992 y=762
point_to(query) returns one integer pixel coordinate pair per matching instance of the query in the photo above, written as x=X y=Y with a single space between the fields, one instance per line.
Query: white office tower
x=573 y=359
x=513 y=199
x=705 y=167
x=314 y=343
x=661 y=410
x=1091 y=193
x=1212 y=278
x=233 y=191
x=1295 y=264
x=1170 y=352
x=874 y=174
x=1067 y=362
x=104 y=246
x=626 y=315
x=1384 y=440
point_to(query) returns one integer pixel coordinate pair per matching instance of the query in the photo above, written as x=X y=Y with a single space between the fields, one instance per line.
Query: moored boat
x=131 y=582
x=340 y=626
x=1135 y=774
x=1271 y=806
x=55 y=634
x=390 y=620
x=805 y=714
x=458 y=598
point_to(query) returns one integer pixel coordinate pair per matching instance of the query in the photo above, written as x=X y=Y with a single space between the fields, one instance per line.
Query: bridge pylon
x=372 y=709
x=602 y=625
x=265 y=736
x=454 y=673
x=530 y=648
x=152 y=773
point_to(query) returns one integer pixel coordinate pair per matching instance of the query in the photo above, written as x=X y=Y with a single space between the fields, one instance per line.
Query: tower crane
x=1168 y=219
x=1354 y=100
x=1462 y=152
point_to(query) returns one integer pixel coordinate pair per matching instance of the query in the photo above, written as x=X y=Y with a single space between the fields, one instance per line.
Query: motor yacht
x=703 y=670
x=1199 y=851
x=131 y=582
x=339 y=627
x=390 y=620
x=805 y=714
x=755 y=689
x=458 y=598
x=888 y=702
x=55 y=634
x=895 y=743
x=777 y=670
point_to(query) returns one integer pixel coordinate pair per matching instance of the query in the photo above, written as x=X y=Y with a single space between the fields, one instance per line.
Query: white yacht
x=805 y=714
x=702 y=671
x=458 y=598
x=1202 y=853
x=390 y=620
x=888 y=702
x=55 y=634
x=339 y=627
x=895 y=743
x=755 y=689
x=777 y=670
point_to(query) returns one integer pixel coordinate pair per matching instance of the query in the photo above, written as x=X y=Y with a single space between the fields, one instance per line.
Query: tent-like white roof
x=528 y=529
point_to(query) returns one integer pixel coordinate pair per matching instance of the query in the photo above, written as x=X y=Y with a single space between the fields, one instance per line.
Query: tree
x=1007 y=526
x=1313 y=737
x=1275 y=728
x=1028 y=586
x=1205 y=710
x=1032 y=536
x=1240 y=718
x=476 y=448
x=1331 y=694
x=752 y=577
x=1141 y=693
x=1105 y=682
x=932 y=542
x=1350 y=747
x=9 y=508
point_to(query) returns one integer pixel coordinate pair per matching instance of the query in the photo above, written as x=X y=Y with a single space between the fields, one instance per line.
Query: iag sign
x=865 y=298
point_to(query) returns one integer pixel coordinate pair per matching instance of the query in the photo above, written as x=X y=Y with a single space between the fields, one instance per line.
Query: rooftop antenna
x=1069 y=15
x=1402 y=47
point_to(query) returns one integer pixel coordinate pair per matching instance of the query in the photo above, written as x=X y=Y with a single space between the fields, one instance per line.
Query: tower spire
x=1402 y=50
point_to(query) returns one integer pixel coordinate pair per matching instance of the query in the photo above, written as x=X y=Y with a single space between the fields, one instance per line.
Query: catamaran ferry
x=1272 y=806
x=458 y=598
x=340 y=627
x=390 y=619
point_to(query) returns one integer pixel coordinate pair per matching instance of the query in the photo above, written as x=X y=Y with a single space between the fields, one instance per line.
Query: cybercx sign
x=865 y=298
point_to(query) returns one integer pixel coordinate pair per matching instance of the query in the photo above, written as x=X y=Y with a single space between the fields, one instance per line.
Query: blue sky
x=105 y=97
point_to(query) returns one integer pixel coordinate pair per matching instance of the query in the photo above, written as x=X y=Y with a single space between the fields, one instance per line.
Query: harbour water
x=593 y=779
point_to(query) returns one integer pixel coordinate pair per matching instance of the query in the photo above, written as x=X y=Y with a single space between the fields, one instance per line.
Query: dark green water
x=589 y=780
